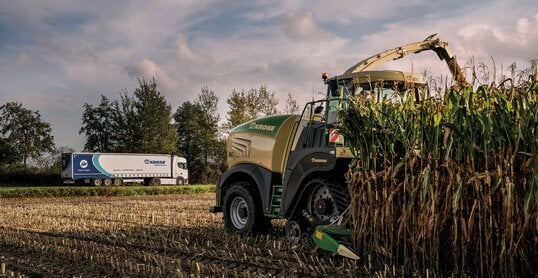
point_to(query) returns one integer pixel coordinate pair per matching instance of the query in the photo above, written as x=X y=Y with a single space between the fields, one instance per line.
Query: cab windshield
x=380 y=90
x=338 y=93
x=182 y=165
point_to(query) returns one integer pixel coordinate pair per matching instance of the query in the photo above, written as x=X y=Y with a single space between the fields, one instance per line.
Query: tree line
x=141 y=122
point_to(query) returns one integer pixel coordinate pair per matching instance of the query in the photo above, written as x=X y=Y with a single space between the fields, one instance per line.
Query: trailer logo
x=155 y=162
x=83 y=164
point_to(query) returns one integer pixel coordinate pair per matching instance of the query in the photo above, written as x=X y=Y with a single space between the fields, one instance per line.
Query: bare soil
x=147 y=236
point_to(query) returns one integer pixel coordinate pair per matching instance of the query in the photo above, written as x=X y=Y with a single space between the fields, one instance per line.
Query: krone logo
x=319 y=160
x=83 y=164
x=262 y=127
x=156 y=162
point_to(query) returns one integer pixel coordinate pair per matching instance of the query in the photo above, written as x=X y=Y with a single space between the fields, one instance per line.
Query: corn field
x=447 y=185
x=145 y=236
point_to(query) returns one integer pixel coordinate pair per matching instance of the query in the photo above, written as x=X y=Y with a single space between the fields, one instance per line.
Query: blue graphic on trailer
x=87 y=166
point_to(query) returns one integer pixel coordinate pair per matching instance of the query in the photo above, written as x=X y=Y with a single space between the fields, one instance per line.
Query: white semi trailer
x=116 y=168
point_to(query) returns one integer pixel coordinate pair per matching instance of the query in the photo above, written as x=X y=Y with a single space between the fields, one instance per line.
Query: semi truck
x=294 y=166
x=116 y=168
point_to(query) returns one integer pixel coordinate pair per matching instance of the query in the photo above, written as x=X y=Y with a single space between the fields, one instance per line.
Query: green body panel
x=264 y=142
x=267 y=126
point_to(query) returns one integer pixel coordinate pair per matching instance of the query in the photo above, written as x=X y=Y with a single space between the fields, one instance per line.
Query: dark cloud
x=132 y=71
x=75 y=52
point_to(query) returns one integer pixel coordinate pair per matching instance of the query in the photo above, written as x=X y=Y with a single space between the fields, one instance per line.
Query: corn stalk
x=448 y=185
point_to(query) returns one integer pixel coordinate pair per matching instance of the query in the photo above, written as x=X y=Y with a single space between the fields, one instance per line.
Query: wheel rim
x=239 y=212
x=97 y=182
x=293 y=231
x=321 y=204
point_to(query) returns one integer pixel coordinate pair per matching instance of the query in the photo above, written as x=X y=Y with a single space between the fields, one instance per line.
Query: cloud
x=74 y=52
x=518 y=40
x=59 y=47
x=303 y=28
x=186 y=54
x=149 y=69
x=24 y=59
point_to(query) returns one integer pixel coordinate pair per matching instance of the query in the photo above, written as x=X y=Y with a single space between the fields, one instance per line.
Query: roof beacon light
x=324 y=76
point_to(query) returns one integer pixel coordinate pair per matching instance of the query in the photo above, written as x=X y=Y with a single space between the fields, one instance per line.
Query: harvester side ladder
x=276 y=200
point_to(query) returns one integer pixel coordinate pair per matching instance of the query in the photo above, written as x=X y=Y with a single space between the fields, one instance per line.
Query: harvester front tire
x=242 y=215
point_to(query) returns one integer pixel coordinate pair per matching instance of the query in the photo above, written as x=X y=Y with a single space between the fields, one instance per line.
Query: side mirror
x=318 y=109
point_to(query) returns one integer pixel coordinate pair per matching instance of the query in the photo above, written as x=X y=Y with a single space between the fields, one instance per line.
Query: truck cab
x=180 y=171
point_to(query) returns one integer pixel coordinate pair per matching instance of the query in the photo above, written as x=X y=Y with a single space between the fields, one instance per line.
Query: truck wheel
x=241 y=214
x=155 y=181
x=180 y=181
x=107 y=182
x=97 y=182
x=117 y=182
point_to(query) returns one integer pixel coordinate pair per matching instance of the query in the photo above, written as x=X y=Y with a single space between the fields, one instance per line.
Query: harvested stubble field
x=146 y=236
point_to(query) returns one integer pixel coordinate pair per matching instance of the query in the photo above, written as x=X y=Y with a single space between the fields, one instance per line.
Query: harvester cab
x=294 y=166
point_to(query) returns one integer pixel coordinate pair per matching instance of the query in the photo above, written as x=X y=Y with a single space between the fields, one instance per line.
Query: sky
x=57 y=55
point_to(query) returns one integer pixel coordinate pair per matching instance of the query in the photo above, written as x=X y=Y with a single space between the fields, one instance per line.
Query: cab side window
x=182 y=165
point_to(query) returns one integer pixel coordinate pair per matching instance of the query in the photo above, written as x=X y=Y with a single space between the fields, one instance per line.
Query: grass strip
x=65 y=191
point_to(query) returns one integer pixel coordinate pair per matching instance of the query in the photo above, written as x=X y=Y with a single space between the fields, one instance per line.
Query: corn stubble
x=448 y=186
x=145 y=236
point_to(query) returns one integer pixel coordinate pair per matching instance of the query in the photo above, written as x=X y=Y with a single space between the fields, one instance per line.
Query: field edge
x=66 y=191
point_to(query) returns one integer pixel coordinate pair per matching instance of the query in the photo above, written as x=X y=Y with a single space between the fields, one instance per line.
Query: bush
x=20 y=175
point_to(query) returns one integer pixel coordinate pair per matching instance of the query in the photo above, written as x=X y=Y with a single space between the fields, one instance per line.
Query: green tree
x=100 y=126
x=291 y=105
x=138 y=124
x=245 y=106
x=23 y=133
x=51 y=162
x=239 y=110
x=264 y=102
x=154 y=131
x=7 y=154
x=189 y=129
x=197 y=129
x=209 y=119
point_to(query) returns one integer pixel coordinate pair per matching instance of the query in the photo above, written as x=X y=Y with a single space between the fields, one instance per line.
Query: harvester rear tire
x=242 y=212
